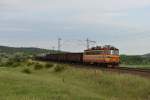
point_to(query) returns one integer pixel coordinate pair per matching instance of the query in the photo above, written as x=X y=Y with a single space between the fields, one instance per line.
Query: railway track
x=126 y=70
x=134 y=71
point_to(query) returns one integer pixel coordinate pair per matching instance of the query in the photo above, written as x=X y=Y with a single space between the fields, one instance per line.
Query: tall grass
x=59 y=68
x=70 y=83
x=26 y=71
x=49 y=65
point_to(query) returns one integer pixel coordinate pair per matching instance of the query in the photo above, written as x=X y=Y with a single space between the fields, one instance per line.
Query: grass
x=26 y=70
x=70 y=84
x=38 y=66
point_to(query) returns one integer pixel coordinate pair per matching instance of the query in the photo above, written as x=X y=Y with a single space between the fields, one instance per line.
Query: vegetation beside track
x=33 y=80
x=135 y=60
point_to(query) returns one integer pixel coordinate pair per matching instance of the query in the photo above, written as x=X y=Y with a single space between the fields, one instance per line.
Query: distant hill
x=146 y=55
x=28 y=50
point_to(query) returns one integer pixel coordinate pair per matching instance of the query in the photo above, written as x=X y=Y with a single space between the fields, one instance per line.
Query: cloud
x=84 y=5
x=14 y=29
x=107 y=21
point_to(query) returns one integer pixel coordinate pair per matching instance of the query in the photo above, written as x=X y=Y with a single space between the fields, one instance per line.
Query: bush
x=29 y=63
x=9 y=63
x=48 y=65
x=1 y=65
x=59 y=68
x=38 y=66
x=0 y=59
x=19 y=58
x=15 y=64
x=27 y=71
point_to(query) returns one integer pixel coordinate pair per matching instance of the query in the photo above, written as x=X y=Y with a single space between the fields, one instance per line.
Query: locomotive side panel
x=93 y=58
x=101 y=59
x=112 y=59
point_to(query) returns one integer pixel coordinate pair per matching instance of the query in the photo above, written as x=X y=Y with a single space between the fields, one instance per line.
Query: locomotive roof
x=107 y=47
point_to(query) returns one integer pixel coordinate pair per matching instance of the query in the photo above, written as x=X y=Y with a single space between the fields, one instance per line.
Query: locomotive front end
x=106 y=55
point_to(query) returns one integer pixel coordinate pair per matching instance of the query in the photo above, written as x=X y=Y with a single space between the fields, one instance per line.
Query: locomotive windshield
x=94 y=52
x=114 y=52
x=97 y=52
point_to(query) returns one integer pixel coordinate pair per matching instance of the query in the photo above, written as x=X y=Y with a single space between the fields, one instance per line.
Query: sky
x=39 y=23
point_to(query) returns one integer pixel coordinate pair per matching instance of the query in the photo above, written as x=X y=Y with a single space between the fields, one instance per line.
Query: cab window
x=114 y=52
x=94 y=52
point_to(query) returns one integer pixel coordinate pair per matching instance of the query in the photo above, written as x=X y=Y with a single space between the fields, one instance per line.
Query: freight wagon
x=63 y=57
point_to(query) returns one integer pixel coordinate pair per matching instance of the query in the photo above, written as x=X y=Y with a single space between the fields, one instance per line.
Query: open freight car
x=64 y=57
x=74 y=57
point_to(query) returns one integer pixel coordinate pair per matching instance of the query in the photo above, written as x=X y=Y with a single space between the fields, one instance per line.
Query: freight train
x=107 y=56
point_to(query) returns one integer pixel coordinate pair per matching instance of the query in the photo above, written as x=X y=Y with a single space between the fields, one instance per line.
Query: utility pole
x=88 y=43
x=59 y=44
x=53 y=48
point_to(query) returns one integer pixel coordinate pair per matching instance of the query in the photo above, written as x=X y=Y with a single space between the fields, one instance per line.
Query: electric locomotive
x=107 y=55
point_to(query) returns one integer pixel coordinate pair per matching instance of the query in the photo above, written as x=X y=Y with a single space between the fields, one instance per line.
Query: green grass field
x=67 y=83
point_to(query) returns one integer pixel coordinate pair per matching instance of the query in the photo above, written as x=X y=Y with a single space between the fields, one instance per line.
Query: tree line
x=134 y=60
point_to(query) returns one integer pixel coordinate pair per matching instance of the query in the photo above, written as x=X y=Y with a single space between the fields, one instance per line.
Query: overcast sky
x=122 y=23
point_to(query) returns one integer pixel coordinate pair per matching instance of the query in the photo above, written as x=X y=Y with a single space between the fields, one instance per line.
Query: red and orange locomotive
x=106 y=55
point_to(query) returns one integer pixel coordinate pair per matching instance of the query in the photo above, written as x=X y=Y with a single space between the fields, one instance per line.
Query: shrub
x=29 y=63
x=0 y=59
x=59 y=68
x=48 y=65
x=26 y=70
x=15 y=64
x=38 y=66
x=19 y=57
x=9 y=63
x=1 y=64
